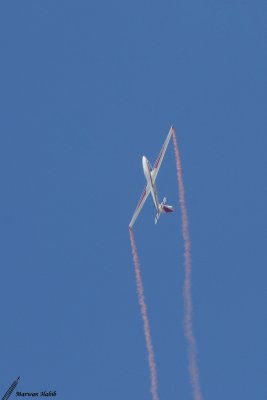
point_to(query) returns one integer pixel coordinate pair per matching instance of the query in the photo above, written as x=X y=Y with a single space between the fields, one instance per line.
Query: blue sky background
x=87 y=88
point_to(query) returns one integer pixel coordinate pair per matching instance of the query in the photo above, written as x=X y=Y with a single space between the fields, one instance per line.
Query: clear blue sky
x=87 y=88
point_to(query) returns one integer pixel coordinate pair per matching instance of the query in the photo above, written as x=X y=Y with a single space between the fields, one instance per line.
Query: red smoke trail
x=188 y=325
x=143 y=308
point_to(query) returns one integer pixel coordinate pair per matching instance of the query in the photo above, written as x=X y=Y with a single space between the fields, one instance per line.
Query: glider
x=151 y=175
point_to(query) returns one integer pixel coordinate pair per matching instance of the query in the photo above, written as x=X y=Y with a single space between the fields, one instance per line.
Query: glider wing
x=161 y=155
x=140 y=205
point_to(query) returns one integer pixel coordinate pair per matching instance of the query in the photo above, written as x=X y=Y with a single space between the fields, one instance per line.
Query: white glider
x=151 y=175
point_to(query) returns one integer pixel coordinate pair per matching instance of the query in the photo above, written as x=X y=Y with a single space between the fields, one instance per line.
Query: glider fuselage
x=148 y=172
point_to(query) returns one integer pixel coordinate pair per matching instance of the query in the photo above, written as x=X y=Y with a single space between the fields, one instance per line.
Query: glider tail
x=163 y=207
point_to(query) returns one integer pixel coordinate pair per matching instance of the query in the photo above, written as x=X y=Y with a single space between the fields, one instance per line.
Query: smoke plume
x=143 y=309
x=188 y=324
